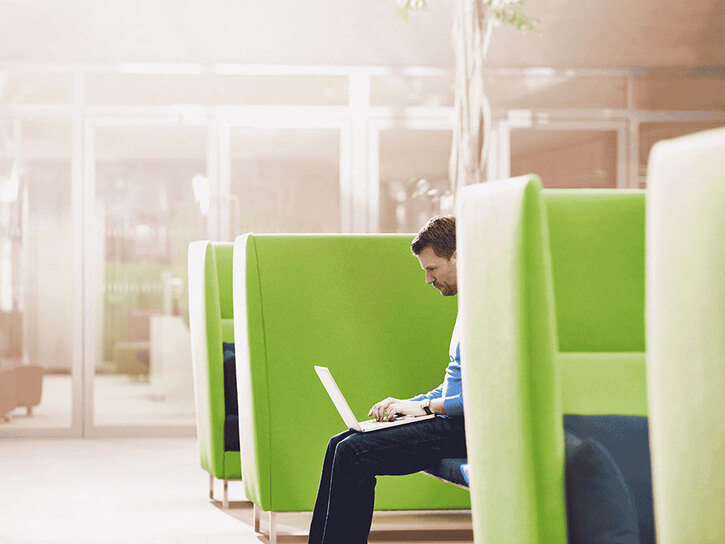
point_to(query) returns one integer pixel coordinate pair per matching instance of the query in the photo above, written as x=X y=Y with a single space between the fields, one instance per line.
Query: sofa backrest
x=597 y=250
x=597 y=245
x=211 y=323
x=357 y=304
x=223 y=258
x=686 y=344
x=551 y=286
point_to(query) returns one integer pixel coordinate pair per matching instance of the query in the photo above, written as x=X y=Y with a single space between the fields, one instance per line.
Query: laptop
x=346 y=413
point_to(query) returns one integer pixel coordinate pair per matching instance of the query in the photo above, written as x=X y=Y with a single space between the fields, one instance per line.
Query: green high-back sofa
x=686 y=335
x=211 y=323
x=551 y=289
x=357 y=304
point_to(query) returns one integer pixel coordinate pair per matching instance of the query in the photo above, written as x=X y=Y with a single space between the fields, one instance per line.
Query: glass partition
x=285 y=180
x=147 y=213
x=36 y=267
x=414 y=182
x=566 y=158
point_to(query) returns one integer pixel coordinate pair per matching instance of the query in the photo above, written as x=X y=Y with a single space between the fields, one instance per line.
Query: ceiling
x=574 y=33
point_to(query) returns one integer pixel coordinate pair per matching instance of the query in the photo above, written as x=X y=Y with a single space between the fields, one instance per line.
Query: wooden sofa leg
x=225 y=502
x=211 y=487
x=255 y=517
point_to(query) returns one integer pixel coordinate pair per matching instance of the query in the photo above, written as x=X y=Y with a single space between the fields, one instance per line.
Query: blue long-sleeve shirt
x=451 y=389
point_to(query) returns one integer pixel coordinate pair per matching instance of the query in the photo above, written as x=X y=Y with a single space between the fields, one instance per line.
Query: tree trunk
x=471 y=135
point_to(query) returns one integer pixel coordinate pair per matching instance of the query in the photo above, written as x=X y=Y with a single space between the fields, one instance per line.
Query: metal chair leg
x=255 y=517
x=272 y=528
x=225 y=502
x=211 y=487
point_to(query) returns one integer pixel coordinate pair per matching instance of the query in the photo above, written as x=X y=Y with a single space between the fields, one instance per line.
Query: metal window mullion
x=357 y=201
x=90 y=256
x=78 y=387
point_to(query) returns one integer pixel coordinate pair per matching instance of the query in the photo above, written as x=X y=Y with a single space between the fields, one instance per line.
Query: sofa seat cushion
x=231 y=433
x=230 y=380
x=599 y=504
x=450 y=469
x=594 y=443
x=231 y=410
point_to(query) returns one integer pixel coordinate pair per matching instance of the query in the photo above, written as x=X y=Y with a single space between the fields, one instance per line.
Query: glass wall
x=284 y=180
x=149 y=161
x=36 y=273
x=566 y=158
x=413 y=177
x=147 y=212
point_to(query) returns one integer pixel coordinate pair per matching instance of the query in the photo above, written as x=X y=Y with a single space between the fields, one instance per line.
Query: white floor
x=150 y=490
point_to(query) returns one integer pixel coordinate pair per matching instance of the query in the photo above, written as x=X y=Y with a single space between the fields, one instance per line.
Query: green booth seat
x=551 y=289
x=211 y=323
x=357 y=304
x=686 y=335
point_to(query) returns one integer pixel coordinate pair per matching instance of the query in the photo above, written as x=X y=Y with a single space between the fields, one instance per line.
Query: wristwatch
x=426 y=408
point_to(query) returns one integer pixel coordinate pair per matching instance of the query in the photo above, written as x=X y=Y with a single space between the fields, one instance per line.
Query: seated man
x=344 y=507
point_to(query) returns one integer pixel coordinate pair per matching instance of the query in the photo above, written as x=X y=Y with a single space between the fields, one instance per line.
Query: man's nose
x=429 y=278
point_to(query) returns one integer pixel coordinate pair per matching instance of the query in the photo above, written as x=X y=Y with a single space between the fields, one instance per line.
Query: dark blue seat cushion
x=450 y=469
x=231 y=433
x=599 y=504
x=231 y=410
x=608 y=480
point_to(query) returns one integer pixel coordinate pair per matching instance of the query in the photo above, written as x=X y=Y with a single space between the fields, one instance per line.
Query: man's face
x=439 y=271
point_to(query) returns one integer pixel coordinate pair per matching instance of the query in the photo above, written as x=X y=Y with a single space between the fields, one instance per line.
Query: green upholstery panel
x=686 y=335
x=223 y=254
x=227 y=330
x=513 y=423
x=210 y=284
x=603 y=383
x=233 y=465
x=551 y=288
x=597 y=249
x=357 y=304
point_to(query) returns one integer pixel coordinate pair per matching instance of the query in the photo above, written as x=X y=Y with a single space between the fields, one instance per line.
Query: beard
x=446 y=290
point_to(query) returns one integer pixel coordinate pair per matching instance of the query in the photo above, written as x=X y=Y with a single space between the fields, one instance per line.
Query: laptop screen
x=336 y=395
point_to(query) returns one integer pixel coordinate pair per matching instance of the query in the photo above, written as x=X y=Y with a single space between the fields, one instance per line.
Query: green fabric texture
x=621 y=373
x=210 y=317
x=357 y=304
x=542 y=274
x=599 y=308
x=686 y=336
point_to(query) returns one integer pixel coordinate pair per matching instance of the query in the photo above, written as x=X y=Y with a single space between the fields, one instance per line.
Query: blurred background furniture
x=686 y=335
x=211 y=321
x=357 y=304
x=28 y=386
x=7 y=394
x=21 y=386
x=551 y=289
x=171 y=374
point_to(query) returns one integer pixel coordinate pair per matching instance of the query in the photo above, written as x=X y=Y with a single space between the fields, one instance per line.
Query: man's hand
x=391 y=408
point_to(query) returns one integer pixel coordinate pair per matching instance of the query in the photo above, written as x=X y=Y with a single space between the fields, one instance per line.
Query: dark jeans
x=344 y=507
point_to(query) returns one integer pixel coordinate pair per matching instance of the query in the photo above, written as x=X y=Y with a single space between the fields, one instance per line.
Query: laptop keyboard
x=372 y=424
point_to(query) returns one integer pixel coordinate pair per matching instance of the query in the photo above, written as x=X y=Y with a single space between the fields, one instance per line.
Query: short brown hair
x=440 y=234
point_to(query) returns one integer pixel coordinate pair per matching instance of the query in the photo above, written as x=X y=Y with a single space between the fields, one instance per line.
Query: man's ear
x=453 y=256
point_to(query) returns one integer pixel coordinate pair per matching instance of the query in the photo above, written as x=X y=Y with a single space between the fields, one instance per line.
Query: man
x=344 y=507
